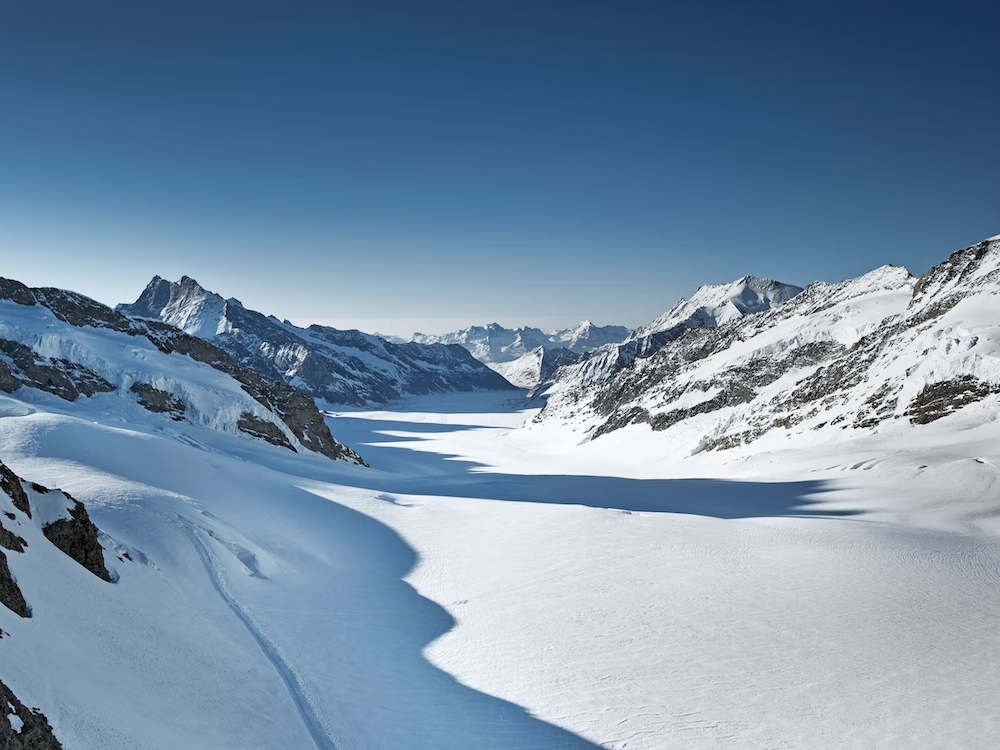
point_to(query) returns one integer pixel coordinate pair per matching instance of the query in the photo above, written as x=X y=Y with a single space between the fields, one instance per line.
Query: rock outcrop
x=77 y=537
x=63 y=520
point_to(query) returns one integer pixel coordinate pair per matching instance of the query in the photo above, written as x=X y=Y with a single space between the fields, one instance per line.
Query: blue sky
x=431 y=165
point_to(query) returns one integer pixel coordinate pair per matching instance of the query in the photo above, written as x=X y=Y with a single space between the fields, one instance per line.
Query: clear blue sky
x=427 y=165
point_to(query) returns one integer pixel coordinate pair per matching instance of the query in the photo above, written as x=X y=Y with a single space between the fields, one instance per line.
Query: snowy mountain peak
x=346 y=367
x=184 y=304
x=715 y=304
x=520 y=348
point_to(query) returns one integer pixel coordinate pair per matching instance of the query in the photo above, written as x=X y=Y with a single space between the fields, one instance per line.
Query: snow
x=14 y=720
x=715 y=304
x=212 y=398
x=525 y=371
x=489 y=586
x=501 y=582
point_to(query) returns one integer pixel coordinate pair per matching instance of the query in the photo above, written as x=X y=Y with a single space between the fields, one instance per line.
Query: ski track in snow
x=302 y=706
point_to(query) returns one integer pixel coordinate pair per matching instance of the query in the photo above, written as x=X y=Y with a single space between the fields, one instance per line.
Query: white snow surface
x=484 y=586
x=525 y=371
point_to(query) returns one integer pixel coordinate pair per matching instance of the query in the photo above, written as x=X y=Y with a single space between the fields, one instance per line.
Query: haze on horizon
x=396 y=168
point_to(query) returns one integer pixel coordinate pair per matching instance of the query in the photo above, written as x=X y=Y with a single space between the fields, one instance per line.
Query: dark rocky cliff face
x=34 y=732
x=22 y=728
x=11 y=595
x=77 y=537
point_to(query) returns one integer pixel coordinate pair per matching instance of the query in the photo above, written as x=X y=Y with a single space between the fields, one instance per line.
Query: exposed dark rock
x=77 y=537
x=10 y=593
x=299 y=412
x=159 y=402
x=20 y=365
x=260 y=428
x=17 y=292
x=10 y=540
x=35 y=732
x=941 y=399
x=10 y=483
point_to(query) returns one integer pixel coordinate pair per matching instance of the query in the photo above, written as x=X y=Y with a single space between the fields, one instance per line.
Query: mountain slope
x=66 y=345
x=880 y=348
x=341 y=367
x=537 y=366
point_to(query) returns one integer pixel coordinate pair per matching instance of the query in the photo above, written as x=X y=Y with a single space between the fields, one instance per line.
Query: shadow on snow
x=383 y=443
x=349 y=625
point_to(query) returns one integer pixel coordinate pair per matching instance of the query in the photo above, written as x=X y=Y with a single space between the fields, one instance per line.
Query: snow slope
x=491 y=587
x=340 y=367
x=494 y=344
x=715 y=304
x=840 y=596
x=69 y=346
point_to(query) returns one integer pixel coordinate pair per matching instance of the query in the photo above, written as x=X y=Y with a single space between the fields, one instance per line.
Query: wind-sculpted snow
x=884 y=347
x=340 y=367
x=70 y=346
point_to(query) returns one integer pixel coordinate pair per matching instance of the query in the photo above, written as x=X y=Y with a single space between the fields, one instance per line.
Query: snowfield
x=487 y=586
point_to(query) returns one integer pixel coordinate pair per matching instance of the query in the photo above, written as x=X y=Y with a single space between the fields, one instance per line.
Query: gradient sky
x=430 y=165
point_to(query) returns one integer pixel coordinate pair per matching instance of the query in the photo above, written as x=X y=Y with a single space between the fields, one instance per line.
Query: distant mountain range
x=525 y=355
x=335 y=366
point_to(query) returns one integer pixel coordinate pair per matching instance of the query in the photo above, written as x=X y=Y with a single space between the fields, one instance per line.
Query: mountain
x=61 y=344
x=518 y=353
x=535 y=367
x=821 y=473
x=340 y=367
x=713 y=305
x=881 y=349
x=493 y=343
x=55 y=535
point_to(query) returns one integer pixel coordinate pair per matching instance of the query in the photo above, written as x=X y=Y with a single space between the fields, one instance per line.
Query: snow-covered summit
x=518 y=353
x=714 y=304
x=185 y=304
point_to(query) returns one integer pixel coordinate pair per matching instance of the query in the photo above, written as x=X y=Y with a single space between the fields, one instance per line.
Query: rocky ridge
x=26 y=360
x=882 y=347
x=339 y=367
